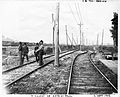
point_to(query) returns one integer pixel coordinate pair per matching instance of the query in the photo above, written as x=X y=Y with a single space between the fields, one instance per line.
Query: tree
x=114 y=30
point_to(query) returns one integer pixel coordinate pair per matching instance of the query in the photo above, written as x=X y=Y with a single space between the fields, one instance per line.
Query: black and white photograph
x=59 y=48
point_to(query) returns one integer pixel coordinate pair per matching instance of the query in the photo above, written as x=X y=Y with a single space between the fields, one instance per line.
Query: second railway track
x=27 y=63
x=18 y=74
x=86 y=79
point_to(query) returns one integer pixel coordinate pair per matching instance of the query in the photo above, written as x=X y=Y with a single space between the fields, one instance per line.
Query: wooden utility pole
x=53 y=21
x=80 y=34
x=97 y=39
x=72 y=40
x=86 y=42
x=57 y=36
x=66 y=36
x=82 y=38
x=102 y=40
x=102 y=37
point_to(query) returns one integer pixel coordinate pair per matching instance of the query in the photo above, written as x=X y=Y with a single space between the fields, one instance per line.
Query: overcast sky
x=32 y=20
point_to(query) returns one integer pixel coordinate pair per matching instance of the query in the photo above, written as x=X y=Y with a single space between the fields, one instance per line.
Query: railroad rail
x=85 y=77
x=8 y=70
x=102 y=73
x=35 y=69
x=71 y=69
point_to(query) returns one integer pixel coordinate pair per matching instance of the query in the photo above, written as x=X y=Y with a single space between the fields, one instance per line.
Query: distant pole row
x=80 y=35
x=102 y=39
x=56 y=35
x=68 y=38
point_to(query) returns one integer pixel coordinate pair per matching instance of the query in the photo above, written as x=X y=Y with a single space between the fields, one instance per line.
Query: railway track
x=108 y=74
x=19 y=66
x=14 y=76
x=85 y=78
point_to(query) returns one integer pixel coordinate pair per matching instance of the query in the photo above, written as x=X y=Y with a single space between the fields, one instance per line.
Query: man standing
x=20 y=49
x=41 y=52
x=25 y=51
x=36 y=53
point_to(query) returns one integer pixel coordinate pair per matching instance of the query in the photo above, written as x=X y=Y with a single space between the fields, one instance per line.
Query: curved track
x=85 y=78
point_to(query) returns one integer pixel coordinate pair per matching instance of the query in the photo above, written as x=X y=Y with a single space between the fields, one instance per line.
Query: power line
x=74 y=41
x=77 y=12
x=80 y=13
x=72 y=13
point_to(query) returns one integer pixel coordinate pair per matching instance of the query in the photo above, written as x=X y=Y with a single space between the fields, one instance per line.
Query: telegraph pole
x=57 y=37
x=83 y=39
x=102 y=37
x=53 y=21
x=72 y=40
x=66 y=36
x=80 y=34
x=97 y=39
x=86 y=42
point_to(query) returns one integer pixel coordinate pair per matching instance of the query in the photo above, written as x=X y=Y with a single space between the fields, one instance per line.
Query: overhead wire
x=80 y=18
x=78 y=15
x=74 y=41
x=77 y=12
x=80 y=12
x=69 y=39
x=72 y=13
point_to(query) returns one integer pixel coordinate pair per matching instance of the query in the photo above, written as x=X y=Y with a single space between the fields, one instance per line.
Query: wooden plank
x=110 y=64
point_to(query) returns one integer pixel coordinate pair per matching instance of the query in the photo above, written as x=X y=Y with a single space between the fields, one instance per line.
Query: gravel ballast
x=48 y=80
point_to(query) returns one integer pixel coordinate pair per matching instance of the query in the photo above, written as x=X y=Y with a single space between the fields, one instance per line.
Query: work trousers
x=40 y=59
x=37 y=57
x=25 y=55
x=20 y=57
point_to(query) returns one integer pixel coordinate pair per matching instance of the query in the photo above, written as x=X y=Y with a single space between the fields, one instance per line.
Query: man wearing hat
x=41 y=52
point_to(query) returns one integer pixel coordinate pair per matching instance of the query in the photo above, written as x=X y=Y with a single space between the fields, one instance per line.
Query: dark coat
x=25 y=50
x=36 y=53
x=20 y=48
